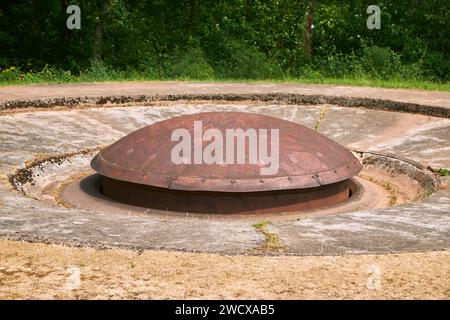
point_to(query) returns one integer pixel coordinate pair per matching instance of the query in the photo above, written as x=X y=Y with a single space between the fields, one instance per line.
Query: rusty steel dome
x=138 y=168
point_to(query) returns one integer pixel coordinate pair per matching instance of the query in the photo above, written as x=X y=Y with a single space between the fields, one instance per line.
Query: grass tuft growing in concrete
x=272 y=242
x=443 y=172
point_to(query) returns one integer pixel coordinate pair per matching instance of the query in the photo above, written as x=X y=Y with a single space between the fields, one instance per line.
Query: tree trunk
x=309 y=30
x=192 y=15
x=98 y=42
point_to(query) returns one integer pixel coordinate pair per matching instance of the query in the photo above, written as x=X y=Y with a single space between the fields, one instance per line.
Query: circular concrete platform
x=60 y=139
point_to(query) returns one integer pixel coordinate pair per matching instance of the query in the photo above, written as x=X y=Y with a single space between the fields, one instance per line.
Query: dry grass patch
x=39 y=271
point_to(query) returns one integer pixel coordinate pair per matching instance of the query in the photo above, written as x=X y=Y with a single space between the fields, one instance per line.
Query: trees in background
x=229 y=38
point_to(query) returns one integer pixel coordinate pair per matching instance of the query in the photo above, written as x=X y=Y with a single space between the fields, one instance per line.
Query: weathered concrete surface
x=423 y=225
x=423 y=97
x=412 y=227
x=374 y=130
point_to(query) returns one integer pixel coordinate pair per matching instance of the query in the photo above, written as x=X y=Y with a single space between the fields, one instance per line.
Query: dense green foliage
x=223 y=39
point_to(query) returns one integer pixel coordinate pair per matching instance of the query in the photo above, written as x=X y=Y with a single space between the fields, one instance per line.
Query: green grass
x=272 y=242
x=101 y=74
x=374 y=82
x=260 y=225
x=322 y=114
x=443 y=172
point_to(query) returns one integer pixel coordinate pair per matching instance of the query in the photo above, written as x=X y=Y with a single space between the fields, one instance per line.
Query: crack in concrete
x=323 y=112
x=272 y=242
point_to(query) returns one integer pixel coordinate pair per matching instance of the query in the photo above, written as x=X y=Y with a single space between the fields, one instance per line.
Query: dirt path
x=50 y=271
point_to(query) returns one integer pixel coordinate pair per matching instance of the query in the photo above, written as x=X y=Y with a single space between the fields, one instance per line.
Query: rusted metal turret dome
x=142 y=161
